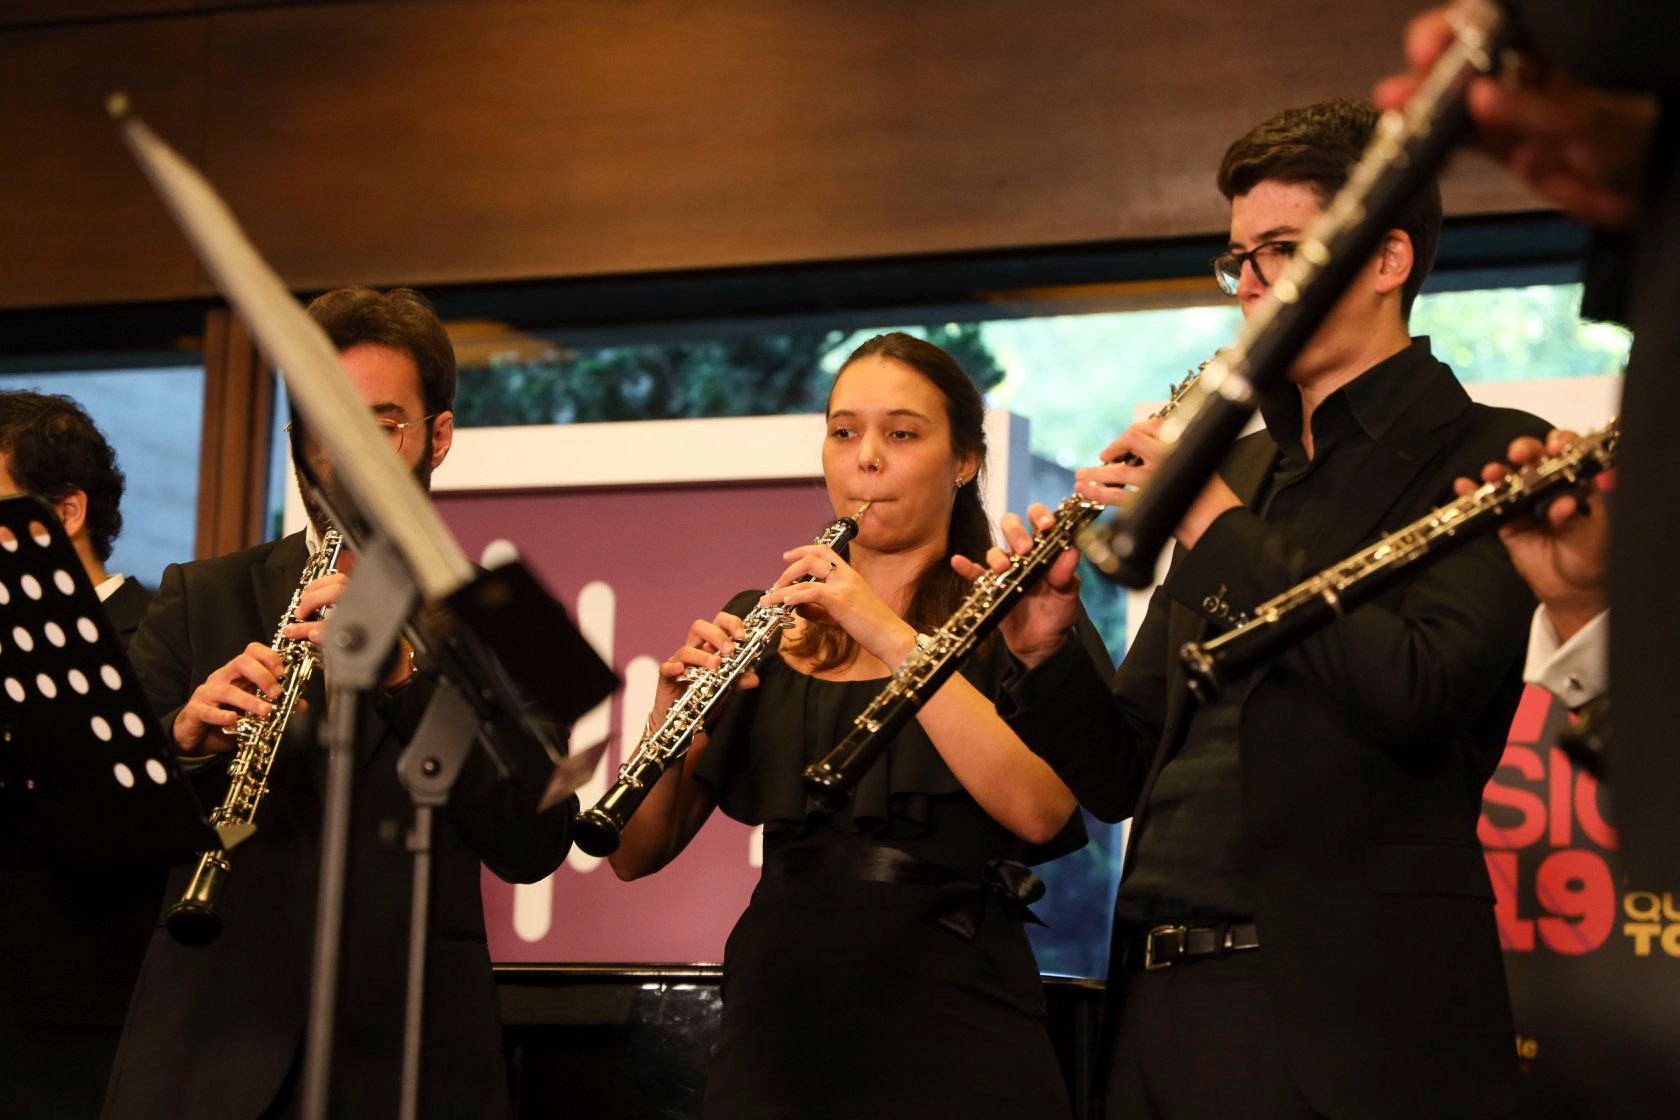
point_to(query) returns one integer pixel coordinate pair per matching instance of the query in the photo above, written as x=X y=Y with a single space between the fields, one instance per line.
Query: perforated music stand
x=100 y=781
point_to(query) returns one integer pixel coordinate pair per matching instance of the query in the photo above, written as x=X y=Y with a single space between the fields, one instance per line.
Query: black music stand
x=509 y=659
x=476 y=629
x=99 y=782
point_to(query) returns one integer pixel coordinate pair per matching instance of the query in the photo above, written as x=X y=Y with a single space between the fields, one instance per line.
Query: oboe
x=197 y=918
x=599 y=830
x=1404 y=154
x=831 y=779
x=1327 y=596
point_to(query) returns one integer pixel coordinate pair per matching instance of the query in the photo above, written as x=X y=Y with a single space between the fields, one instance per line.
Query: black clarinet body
x=1404 y=155
x=599 y=829
x=1316 y=602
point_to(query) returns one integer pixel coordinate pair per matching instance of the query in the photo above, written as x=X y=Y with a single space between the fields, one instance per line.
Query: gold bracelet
x=413 y=671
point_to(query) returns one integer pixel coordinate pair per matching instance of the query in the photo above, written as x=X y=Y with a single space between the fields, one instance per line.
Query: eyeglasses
x=1267 y=259
x=393 y=430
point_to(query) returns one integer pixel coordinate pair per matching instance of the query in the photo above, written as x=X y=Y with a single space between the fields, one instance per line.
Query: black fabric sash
x=959 y=902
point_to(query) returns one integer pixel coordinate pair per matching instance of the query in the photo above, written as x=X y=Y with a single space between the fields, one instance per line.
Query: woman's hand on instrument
x=836 y=594
x=1562 y=555
x=1584 y=149
x=707 y=644
x=1130 y=461
x=1036 y=626
x=247 y=685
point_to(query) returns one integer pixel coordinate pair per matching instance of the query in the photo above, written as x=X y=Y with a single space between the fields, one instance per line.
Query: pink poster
x=634 y=566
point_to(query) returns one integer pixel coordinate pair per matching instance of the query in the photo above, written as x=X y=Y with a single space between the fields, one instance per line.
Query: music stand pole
x=361 y=633
x=427 y=769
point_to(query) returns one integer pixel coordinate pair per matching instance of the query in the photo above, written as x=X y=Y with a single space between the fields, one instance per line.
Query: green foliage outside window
x=744 y=375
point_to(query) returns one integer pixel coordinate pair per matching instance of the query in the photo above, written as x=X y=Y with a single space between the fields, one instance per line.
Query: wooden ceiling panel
x=448 y=141
x=78 y=222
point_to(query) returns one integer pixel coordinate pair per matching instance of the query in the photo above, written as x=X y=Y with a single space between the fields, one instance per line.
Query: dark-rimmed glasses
x=1267 y=259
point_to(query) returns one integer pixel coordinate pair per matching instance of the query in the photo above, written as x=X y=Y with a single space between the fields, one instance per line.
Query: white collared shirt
x=108 y=586
x=1575 y=671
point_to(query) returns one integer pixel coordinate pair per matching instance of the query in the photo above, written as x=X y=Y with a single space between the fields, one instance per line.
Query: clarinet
x=196 y=919
x=1403 y=156
x=831 y=779
x=599 y=830
x=1321 y=599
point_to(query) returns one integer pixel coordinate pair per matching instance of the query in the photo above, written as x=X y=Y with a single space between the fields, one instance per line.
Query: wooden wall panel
x=529 y=139
x=59 y=12
x=448 y=141
x=234 y=442
x=78 y=223
x=521 y=139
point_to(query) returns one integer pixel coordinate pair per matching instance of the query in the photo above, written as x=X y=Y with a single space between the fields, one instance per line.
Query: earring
x=961 y=481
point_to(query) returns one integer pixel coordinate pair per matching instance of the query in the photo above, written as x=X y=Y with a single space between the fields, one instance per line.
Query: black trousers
x=1199 y=1040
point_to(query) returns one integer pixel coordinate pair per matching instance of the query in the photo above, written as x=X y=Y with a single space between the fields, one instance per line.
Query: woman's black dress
x=881 y=969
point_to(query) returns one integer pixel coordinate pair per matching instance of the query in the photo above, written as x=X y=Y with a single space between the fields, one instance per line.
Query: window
x=151 y=416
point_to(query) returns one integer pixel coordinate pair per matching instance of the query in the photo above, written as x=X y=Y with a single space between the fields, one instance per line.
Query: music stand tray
x=101 y=785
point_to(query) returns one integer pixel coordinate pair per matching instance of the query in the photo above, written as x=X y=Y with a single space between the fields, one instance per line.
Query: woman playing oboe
x=881 y=968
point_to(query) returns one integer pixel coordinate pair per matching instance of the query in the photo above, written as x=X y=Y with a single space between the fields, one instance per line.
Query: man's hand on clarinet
x=1037 y=625
x=1583 y=149
x=1563 y=553
x=247 y=685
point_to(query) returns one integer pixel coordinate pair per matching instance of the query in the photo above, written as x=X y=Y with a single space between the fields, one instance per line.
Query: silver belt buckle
x=1150 y=964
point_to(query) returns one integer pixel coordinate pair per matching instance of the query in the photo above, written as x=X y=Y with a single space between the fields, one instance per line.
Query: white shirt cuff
x=1575 y=671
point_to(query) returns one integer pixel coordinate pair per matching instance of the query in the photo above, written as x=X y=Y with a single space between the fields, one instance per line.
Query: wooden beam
x=78 y=221
x=235 y=441
x=616 y=137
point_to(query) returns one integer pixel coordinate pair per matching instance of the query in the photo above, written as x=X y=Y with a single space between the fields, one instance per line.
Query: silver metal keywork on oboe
x=1316 y=602
x=196 y=919
x=599 y=830
x=831 y=779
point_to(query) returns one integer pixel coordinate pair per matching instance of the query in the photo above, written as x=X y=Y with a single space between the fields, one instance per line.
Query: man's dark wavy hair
x=401 y=319
x=55 y=449
x=1318 y=146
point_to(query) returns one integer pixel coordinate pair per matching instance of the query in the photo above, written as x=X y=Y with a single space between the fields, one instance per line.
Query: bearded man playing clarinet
x=217 y=1030
x=1304 y=925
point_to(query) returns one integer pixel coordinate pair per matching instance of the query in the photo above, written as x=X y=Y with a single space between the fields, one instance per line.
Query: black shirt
x=1195 y=863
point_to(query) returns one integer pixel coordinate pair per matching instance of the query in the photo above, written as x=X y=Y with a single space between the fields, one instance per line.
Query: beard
x=317 y=513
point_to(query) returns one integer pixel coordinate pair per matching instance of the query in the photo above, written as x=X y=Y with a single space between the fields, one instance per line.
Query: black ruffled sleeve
x=758 y=749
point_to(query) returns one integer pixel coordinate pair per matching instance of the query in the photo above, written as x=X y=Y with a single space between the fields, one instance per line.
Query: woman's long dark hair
x=938 y=590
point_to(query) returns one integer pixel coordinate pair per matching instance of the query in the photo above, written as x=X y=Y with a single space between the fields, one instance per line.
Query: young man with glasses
x=218 y=1030
x=1304 y=924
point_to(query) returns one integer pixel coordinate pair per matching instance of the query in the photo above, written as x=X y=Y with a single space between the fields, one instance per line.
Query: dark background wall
x=457 y=141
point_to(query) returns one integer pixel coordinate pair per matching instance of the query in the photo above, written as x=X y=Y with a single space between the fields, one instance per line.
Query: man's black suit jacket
x=126 y=608
x=1362 y=753
x=215 y=1031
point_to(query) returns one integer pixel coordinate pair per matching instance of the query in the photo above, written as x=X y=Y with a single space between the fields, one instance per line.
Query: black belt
x=1184 y=943
x=959 y=901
